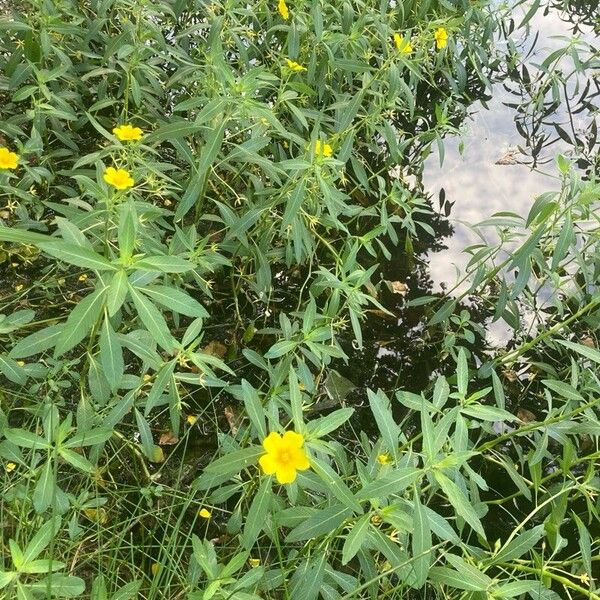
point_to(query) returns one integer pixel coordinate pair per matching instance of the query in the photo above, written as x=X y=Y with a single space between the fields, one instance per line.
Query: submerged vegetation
x=225 y=371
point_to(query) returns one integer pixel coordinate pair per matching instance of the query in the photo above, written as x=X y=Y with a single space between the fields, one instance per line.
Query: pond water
x=490 y=173
x=492 y=167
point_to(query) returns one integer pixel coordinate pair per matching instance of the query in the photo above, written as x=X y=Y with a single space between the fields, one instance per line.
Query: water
x=480 y=180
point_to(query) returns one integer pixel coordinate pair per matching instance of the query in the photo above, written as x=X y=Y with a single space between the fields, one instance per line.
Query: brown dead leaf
x=588 y=341
x=215 y=348
x=399 y=287
x=526 y=416
x=511 y=375
x=508 y=158
x=232 y=419
x=168 y=439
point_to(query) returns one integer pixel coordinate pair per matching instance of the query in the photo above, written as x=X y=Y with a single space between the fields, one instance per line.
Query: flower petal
x=291 y=438
x=272 y=442
x=300 y=460
x=285 y=474
x=268 y=464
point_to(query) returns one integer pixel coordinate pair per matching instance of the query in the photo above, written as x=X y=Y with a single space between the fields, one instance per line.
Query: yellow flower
x=118 y=178
x=82 y=277
x=10 y=467
x=21 y=363
x=191 y=419
x=441 y=37
x=204 y=513
x=283 y=10
x=294 y=66
x=322 y=149
x=254 y=562
x=402 y=45
x=128 y=133
x=284 y=456
x=384 y=459
x=8 y=159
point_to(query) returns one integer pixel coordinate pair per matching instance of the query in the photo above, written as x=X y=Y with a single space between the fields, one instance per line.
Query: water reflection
x=490 y=169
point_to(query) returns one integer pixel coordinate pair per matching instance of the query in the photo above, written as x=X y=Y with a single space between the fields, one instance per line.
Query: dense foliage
x=200 y=204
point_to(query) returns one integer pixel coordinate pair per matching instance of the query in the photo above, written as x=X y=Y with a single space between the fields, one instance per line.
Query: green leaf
x=173 y=130
x=20 y=236
x=42 y=566
x=293 y=204
x=393 y=482
x=421 y=542
x=208 y=154
x=296 y=401
x=355 y=538
x=460 y=502
x=89 y=438
x=585 y=544
x=389 y=429
x=563 y=389
x=234 y=462
x=519 y=545
x=518 y=588
x=452 y=578
x=26 y=439
x=586 y=351
x=76 y=460
x=128 y=591
x=257 y=515
x=7 y=577
x=12 y=371
x=470 y=572
x=80 y=321
x=77 y=255
x=163 y=377
x=61 y=586
x=37 y=342
x=176 y=300
x=321 y=523
x=43 y=492
x=127 y=230
x=111 y=355
x=443 y=313
x=117 y=292
x=281 y=348
x=335 y=485
x=145 y=435
x=151 y=317
x=487 y=413
x=41 y=539
x=320 y=427
x=254 y=408
x=462 y=373
x=164 y=263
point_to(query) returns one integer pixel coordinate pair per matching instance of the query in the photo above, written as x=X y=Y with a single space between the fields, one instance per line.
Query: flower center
x=285 y=457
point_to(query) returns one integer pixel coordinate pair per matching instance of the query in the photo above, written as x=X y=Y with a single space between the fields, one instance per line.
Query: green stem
x=541 y=572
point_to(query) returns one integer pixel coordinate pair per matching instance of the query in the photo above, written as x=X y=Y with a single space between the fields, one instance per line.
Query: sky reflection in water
x=474 y=181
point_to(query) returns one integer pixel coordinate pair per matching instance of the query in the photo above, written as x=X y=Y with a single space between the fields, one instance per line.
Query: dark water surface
x=503 y=160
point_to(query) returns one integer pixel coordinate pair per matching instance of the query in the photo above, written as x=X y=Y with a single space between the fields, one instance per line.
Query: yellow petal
x=268 y=464
x=272 y=442
x=301 y=460
x=285 y=474
x=291 y=438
